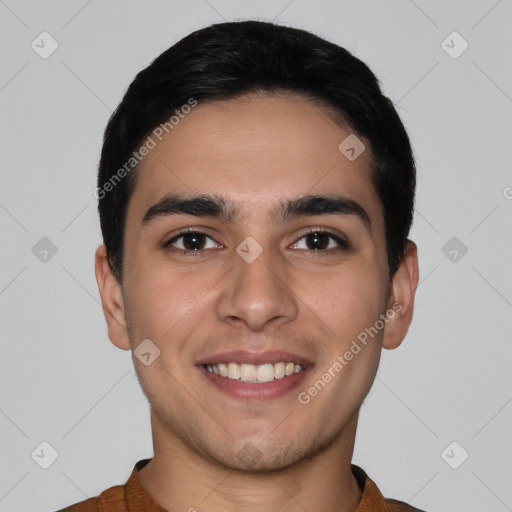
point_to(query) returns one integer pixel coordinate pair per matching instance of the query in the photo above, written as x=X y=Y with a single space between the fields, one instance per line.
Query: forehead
x=255 y=150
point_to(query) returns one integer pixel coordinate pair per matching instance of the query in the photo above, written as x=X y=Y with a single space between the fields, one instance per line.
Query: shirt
x=132 y=497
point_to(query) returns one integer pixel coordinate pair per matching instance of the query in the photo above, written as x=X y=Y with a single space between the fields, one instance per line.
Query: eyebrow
x=223 y=209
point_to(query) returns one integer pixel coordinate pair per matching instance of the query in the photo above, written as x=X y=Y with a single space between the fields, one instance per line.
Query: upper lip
x=256 y=358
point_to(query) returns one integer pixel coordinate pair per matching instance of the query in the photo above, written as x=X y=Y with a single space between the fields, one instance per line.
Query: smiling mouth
x=252 y=373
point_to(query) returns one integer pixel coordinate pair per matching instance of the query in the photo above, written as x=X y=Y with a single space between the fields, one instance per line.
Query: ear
x=112 y=300
x=401 y=298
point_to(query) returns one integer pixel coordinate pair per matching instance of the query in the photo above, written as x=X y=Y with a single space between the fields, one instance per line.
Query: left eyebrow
x=321 y=205
x=219 y=207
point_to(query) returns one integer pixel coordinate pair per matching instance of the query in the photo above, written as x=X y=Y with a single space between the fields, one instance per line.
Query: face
x=253 y=243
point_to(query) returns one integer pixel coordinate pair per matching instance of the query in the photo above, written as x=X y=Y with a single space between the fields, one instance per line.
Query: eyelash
x=342 y=244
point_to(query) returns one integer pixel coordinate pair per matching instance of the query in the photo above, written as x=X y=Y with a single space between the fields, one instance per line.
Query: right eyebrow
x=200 y=206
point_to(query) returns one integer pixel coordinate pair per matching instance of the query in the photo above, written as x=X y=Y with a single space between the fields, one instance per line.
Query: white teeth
x=265 y=372
x=223 y=369
x=247 y=372
x=233 y=371
x=252 y=373
x=279 y=371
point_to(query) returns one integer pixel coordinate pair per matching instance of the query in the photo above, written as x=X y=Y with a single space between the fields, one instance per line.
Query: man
x=255 y=192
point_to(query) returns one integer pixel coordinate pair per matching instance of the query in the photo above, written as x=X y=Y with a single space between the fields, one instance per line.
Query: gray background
x=63 y=382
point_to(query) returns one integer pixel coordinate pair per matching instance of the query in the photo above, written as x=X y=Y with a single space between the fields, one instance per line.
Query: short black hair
x=227 y=60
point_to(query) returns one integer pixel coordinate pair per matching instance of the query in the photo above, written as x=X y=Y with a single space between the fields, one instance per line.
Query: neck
x=178 y=478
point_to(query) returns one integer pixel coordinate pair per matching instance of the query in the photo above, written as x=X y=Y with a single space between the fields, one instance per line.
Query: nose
x=258 y=293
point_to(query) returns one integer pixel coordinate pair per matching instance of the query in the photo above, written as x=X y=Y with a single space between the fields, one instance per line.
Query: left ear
x=401 y=298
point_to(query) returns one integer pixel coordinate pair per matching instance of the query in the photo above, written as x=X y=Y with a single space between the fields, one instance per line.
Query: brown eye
x=321 y=241
x=191 y=241
x=317 y=241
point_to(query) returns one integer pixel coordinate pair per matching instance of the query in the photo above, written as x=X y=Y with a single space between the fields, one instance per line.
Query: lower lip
x=256 y=391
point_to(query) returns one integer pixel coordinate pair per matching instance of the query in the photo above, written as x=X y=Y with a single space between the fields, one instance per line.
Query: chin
x=255 y=457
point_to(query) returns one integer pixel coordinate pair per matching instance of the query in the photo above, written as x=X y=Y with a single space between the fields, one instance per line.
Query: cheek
x=162 y=298
x=347 y=299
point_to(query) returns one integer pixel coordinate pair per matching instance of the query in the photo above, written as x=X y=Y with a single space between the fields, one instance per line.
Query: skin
x=254 y=151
